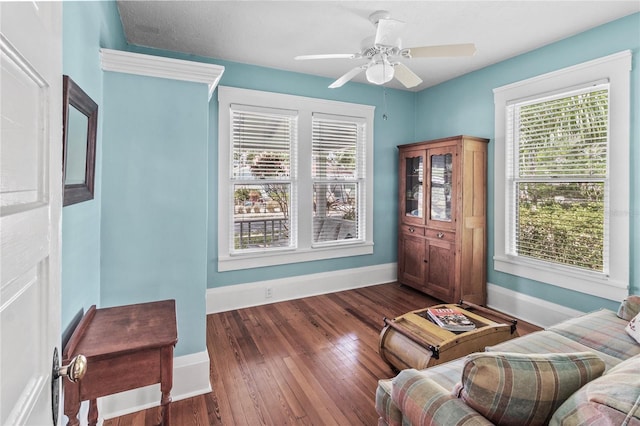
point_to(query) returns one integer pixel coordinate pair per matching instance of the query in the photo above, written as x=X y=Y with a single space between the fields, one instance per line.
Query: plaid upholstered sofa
x=583 y=371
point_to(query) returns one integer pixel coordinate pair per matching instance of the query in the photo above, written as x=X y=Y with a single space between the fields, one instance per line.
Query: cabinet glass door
x=441 y=181
x=413 y=186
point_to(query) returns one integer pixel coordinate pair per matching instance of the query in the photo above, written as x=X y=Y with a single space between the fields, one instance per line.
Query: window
x=263 y=185
x=562 y=178
x=558 y=183
x=337 y=172
x=294 y=179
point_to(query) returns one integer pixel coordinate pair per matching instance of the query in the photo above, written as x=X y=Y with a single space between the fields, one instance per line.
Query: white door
x=30 y=207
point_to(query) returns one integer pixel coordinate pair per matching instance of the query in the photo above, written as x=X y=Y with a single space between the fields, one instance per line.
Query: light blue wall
x=465 y=106
x=87 y=26
x=154 y=198
x=397 y=129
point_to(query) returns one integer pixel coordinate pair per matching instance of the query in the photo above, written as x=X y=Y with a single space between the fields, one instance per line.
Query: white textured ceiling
x=272 y=33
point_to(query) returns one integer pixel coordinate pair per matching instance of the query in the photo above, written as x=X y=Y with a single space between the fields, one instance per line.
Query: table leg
x=93 y=413
x=71 y=403
x=73 y=418
x=166 y=383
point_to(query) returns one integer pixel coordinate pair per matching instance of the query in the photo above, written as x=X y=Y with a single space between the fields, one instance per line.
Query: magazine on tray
x=450 y=319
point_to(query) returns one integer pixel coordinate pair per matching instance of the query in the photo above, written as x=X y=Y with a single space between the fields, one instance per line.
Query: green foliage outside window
x=561 y=175
x=563 y=224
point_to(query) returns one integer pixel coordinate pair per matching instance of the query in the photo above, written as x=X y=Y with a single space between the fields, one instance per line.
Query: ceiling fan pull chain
x=384 y=103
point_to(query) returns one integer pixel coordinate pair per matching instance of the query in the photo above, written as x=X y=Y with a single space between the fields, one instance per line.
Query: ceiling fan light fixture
x=380 y=72
x=383 y=52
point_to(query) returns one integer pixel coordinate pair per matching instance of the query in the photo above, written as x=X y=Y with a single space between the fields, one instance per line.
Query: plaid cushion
x=521 y=389
x=389 y=413
x=613 y=399
x=549 y=342
x=424 y=402
x=629 y=308
x=446 y=375
x=600 y=330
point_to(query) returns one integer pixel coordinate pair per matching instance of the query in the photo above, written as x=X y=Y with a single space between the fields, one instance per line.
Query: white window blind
x=264 y=143
x=293 y=179
x=338 y=162
x=559 y=178
x=337 y=148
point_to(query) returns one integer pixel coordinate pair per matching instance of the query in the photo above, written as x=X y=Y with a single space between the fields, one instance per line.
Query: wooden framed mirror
x=80 y=126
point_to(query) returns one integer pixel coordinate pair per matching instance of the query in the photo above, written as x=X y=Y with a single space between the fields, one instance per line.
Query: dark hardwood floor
x=312 y=361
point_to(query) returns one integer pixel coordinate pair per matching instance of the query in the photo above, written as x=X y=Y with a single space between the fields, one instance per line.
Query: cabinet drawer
x=440 y=235
x=412 y=230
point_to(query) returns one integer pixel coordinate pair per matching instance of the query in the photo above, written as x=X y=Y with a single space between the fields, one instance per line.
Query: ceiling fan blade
x=388 y=32
x=348 y=76
x=467 y=49
x=327 y=56
x=405 y=76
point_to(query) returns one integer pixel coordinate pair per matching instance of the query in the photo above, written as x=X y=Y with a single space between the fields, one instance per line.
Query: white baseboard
x=190 y=378
x=527 y=308
x=221 y=299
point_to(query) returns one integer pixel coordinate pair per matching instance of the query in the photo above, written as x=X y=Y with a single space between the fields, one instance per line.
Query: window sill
x=581 y=281
x=257 y=260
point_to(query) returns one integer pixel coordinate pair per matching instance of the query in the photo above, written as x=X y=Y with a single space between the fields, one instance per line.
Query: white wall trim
x=221 y=299
x=301 y=181
x=527 y=308
x=569 y=71
x=612 y=283
x=157 y=66
x=190 y=378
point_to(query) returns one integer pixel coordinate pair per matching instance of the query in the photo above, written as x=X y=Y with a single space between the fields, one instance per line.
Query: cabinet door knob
x=425 y=261
x=440 y=235
x=412 y=230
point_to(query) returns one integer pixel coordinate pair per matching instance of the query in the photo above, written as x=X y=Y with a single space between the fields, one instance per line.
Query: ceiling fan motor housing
x=383 y=52
x=376 y=16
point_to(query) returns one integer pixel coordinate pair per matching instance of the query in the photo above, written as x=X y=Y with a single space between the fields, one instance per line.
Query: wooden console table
x=126 y=347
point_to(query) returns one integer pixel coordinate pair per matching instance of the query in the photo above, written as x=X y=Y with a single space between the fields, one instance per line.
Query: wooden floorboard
x=311 y=361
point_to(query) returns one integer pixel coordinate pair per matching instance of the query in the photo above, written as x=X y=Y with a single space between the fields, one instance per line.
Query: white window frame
x=360 y=178
x=613 y=285
x=304 y=251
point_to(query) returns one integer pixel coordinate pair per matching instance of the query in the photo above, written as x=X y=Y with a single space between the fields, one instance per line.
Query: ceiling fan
x=383 y=52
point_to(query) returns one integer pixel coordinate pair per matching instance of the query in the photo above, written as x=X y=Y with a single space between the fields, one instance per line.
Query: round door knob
x=75 y=370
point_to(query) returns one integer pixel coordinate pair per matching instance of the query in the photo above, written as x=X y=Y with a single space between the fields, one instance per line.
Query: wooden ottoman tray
x=413 y=341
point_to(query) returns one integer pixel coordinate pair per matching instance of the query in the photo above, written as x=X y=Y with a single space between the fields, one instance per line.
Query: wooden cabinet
x=443 y=218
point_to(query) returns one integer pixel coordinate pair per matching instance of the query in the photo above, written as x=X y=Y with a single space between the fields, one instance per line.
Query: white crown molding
x=157 y=66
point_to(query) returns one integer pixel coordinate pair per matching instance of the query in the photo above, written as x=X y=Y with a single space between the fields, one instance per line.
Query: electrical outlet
x=268 y=292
